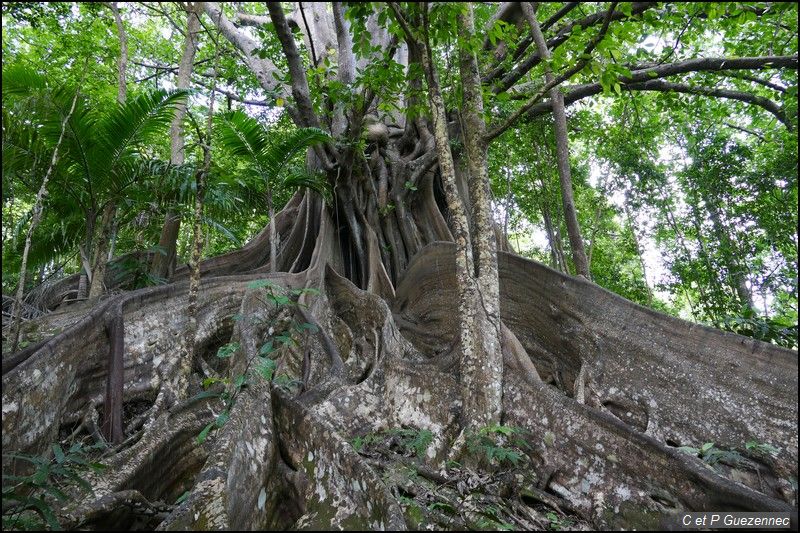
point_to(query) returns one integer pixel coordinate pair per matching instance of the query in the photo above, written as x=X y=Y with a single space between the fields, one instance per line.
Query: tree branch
x=640 y=80
x=262 y=68
x=246 y=19
x=300 y=90
x=561 y=37
x=667 y=86
x=497 y=69
x=551 y=81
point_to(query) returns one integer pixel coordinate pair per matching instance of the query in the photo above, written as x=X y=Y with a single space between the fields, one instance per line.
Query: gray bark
x=164 y=260
x=562 y=149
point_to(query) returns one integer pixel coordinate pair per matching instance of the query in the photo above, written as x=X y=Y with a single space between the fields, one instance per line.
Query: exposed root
x=601 y=392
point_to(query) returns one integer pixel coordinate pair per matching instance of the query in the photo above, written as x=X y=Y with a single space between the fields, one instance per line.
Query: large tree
x=397 y=317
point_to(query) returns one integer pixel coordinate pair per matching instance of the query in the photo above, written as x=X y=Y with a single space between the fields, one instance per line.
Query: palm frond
x=134 y=121
x=315 y=182
x=277 y=156
x=21 y=80
x=243 y=135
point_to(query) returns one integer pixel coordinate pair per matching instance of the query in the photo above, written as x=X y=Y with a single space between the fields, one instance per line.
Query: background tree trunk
x=164 y=259
x=562 y=150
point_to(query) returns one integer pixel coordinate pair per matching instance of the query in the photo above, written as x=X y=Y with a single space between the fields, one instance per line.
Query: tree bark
x=481 y=379
x=164 y=259
x=562 y=149
x=97 y=286
x=122 y=62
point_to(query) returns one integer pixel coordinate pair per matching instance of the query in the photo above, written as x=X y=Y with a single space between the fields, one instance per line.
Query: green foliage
x=559 y=523
x=227 y=350
x=762 y=448
x=29 y=499
x=711 y=455
x=405 y=441
x=245 y=136
x=499 y=445
x=262 y=365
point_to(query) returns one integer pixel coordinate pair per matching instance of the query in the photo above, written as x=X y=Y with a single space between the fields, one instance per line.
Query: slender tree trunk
x=122 y=62
x=736 y=272
x=273 y=233
x=484 y=384
x=480 y=405
x=35 y=219
x=190 y=338
x=85 y=256
x=104 y=244
x=632 y=224
x=562 y=149
x=113 y=244
x=548 y=226
x=560 y=249
x=164 y=259
x=101 y=251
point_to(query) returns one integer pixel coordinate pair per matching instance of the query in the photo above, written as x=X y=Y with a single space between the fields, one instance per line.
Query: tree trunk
x=97 y=286
x=478 y=363
x=273 y=233
x=352 y=422
x=562 y=151
x=481 y=380
x=638 y=249
x=122 y=62
x=163 y=263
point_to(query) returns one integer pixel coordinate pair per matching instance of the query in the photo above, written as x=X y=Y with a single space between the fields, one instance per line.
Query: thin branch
x=152 y=7
x=586 y=56
x=234 y=96
x=411 y=39
x=497 y=68
x=308 y=31
x=745 y=130
x=667 y=86
x=245 y=19
x=756 y=79
x=640 y=79
x=561 y=37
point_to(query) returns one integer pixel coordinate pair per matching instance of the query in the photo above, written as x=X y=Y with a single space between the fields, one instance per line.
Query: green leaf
x=204 y=434
x=266 y=368
x=261 y=283
x=308 y=326
x=227 y=350
x=59 y=453
x=267 y=348
x=222 y=418
x=205 y=394
x=207 y=382
x=287 y=340
x=47 y=513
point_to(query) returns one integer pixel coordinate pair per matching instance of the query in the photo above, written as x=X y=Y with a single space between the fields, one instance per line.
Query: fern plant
x=498 y=444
